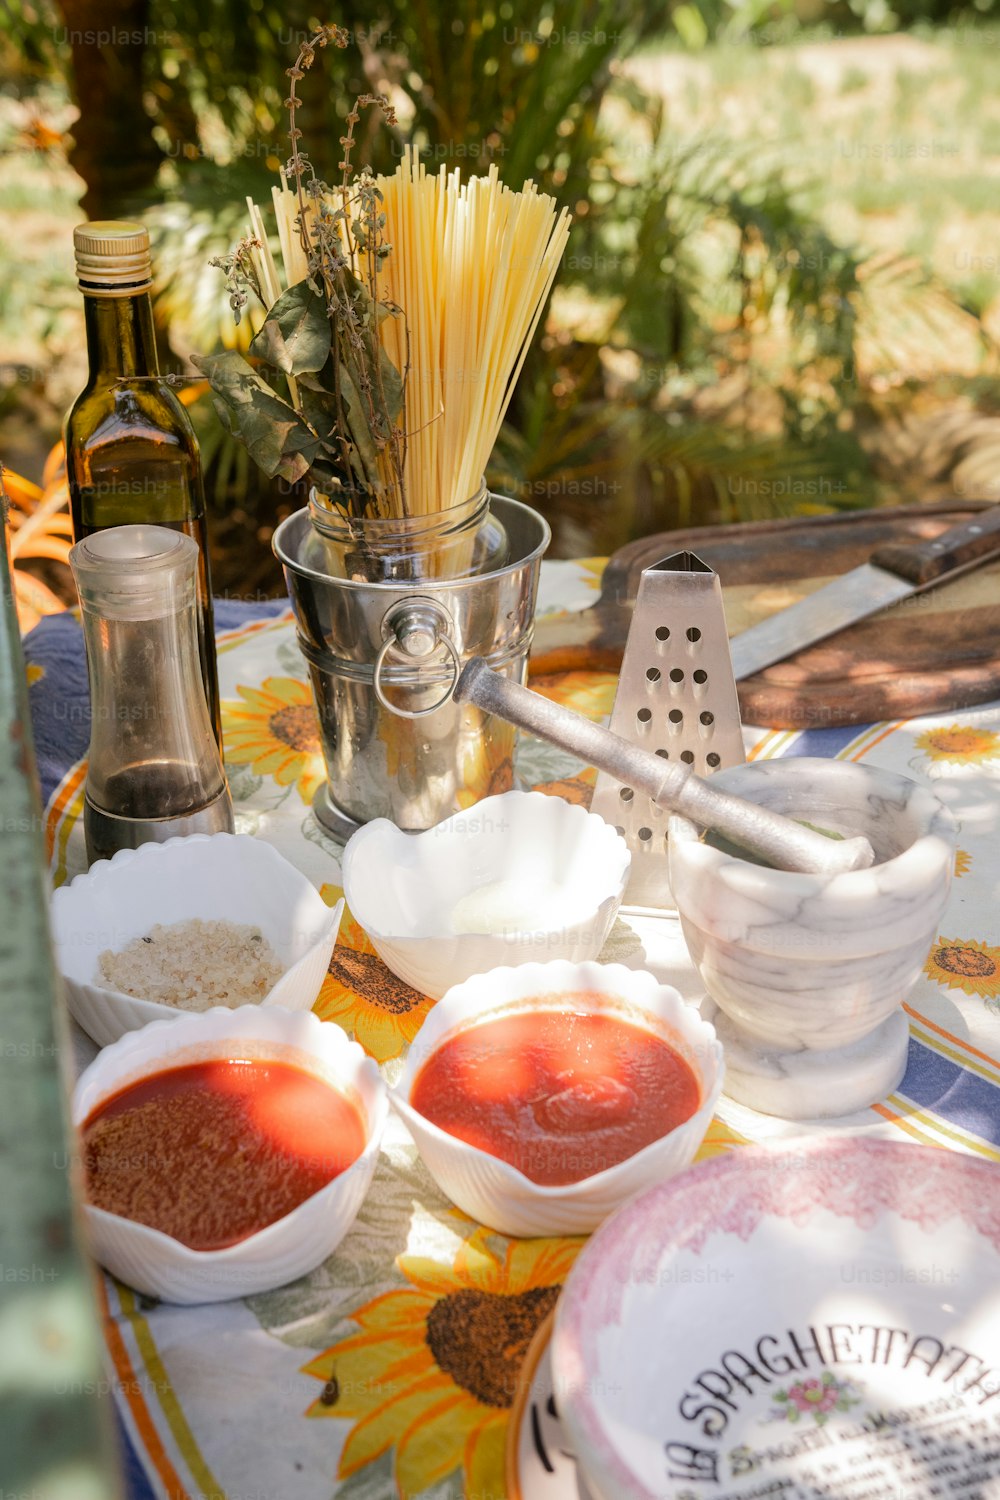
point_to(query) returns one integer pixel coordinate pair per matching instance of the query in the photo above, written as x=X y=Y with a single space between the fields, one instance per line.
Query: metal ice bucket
x=384 y=658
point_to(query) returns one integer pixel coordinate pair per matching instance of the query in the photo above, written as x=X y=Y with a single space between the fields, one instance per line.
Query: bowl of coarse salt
x=188 y=925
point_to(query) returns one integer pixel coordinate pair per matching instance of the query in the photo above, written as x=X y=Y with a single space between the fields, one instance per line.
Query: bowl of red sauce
x=541 y=1097
x=228 y=1152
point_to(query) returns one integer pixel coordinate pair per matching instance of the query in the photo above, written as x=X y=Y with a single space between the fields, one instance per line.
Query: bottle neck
x=120 y=337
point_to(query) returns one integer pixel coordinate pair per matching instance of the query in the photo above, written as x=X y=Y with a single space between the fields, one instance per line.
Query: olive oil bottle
x=131 y=452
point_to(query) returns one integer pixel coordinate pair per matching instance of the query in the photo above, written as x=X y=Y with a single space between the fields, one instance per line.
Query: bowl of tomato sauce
x=542 y=1097
x=227 y=1152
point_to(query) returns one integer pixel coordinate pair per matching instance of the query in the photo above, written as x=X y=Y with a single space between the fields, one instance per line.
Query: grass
x=43 y=360
x=896 y=142
x=901 y=135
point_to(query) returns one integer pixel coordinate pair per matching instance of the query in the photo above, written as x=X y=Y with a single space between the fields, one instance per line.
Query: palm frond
x=40 y=529
x=910 y=327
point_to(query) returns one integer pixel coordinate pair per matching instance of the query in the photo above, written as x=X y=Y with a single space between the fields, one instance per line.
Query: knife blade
x=893 y=572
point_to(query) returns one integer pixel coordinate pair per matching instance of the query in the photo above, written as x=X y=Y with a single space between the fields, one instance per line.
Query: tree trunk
x=114 y=150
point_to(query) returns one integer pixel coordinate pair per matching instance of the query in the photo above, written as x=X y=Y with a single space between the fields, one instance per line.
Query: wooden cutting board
x=927 y=654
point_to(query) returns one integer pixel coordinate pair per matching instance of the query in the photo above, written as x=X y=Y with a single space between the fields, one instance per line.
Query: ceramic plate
x=540 y=1463
x=815 y=1322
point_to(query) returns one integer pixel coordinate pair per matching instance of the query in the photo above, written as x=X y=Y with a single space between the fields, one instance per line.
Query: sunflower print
x=588 y=693
x=962 y=744
x=592 y=569
x=274 y=732
x=487 y=765
x=719 y=1138
x=486 y=755
x=432 y=1372
x=380 y=1011
x=576 y=789
x=963 y=861
x=967 y=965
x=402 y=753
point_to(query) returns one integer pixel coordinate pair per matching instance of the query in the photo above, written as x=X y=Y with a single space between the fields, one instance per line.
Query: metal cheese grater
x=676 y=696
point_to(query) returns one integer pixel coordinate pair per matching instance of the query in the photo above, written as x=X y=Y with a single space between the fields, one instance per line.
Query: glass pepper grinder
x=154 y=769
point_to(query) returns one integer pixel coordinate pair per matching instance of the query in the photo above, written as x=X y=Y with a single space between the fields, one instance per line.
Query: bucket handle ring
x=416 y=628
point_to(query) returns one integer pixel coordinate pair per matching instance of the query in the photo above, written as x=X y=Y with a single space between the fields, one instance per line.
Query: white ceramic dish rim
x=104 y=871
x=184 y=1254
x=377 y=827
x=922 y=803
x=963 y=1178
x=471 y=1010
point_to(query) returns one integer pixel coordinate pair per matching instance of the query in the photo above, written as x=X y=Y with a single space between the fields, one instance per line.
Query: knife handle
x=923 y=562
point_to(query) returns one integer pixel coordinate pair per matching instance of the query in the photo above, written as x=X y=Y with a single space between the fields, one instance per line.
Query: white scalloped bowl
x=217 y=877
x=493 y=1191
x=160 y=1266
x=403 y=887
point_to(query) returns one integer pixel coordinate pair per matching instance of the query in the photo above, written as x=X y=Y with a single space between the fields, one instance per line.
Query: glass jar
x=463 y=541
x=154 y=768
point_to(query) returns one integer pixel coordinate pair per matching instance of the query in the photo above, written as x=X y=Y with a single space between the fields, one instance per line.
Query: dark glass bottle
x=131 y=452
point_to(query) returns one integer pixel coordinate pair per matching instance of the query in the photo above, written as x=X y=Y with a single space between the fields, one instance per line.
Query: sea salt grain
x=194 y=965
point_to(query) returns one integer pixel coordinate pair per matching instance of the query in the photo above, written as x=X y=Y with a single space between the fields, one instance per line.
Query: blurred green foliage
x=710 y=347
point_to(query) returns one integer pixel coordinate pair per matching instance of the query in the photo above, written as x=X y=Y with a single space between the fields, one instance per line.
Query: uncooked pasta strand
x=471 y=266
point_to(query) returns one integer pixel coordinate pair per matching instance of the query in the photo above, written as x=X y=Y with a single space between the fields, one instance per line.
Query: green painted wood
x=55 y=1441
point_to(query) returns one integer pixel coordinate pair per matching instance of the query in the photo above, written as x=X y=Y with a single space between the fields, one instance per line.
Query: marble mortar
x=806 y=974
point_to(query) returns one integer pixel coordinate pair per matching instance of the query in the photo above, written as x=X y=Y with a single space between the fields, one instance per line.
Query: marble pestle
x=783 y=843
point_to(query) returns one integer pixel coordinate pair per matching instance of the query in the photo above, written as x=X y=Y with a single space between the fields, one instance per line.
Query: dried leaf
x=296 y=334
x=365 y=455
x=275 y=436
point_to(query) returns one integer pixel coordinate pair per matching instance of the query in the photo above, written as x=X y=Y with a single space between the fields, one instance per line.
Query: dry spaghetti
x=471 y=267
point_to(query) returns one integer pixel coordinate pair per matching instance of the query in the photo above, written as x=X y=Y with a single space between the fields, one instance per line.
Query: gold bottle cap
x=112 y=257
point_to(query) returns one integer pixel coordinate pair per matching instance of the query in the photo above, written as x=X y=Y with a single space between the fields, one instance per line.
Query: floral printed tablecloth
x=391 y=1369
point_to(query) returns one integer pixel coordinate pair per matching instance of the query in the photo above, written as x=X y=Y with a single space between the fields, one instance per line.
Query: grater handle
x=785 y=844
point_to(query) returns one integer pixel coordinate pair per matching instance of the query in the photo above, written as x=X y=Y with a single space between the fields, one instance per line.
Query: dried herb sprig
x=338 y=232
x=342 y=425
x=241 y=275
